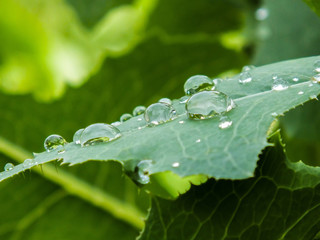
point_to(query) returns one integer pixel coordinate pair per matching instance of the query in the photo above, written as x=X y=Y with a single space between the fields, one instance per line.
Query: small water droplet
x=274 y=114
x=316 y=78
x=54 y=141
x=138 y=110
x=28 y=162
x=184 y=99
x=125 y=117
x=8 y=167
x=181 y=122
x=115 y=124
x=261 y=14
x=143 y=171
x=216 y=81
x=158 y=113
x=300 y=92
x=165 y=100
x=245 y=77
x=313 y=97
x=99 y=132
x=279 y=84
x=198 y=83
x=248 y=68
x=198 y=140
x=207 y=104
x=175 y=164
x=316 y=66
x=77 y=135
x=225 y=122
x=310 y=85
x=295 y=79
x=139 y=119
x=61 y=151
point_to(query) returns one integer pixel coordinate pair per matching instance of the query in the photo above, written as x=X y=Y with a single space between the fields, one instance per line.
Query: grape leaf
x=281 y=202
x=231 y=153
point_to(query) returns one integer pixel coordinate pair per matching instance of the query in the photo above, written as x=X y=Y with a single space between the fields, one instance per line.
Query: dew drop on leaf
x=300 y=92
x=261 y=14
x=274 y=114
x=125 y=117
x=175 y=164
x=165 y=100
x=316 y=66
x=184 y=99
x=115 y=124
x=158 y=113
x=279 y=84
x=248 y=68
x=295 y=79
x=99 y=132
x=77 y=135
x=143 y=171
x=28 y=162
x=198 y=83
x=198 y=140
x=207 y=104
x=313 y=97
x=138 y=110
x=225 y=122
x=316 y=78
x=245 y=77
x=8 y=167
x=54 y=141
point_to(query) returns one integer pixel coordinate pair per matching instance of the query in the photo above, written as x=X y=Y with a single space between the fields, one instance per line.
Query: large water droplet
x=225 y=122
x=99 y=132
x=158 y=113
x=165 y=100
x=77 y=135
x=248 y=68
x=125 y=117
x=279 y=84
x=207 y=104
x=143 y=171
x=245 y=77
x=198 y=83
x=8 y=167
x=316 y=66
x=28 y=162
x=54 y=141
x=139 y=110
x=261 y=14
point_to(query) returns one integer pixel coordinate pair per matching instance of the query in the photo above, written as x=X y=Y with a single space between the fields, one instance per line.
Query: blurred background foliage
x=67 y=64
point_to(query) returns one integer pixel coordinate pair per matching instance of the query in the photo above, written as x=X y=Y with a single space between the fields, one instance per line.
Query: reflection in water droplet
x=158 y=113
x=125 y=117
x=77 y=135
x=165 y=100
x=207 y=104
x=245 y=77
x=198 y=140
x=28 y=162
x=295 y=79
x=316 y=66
x=175 y=164
x=99 y=132
x=198 y=83
x=143 y=171
x=261 y=14
x=54 y=141
x=279 y=84
x=300 y=92
x=248 y=68
x=225 y=122
x=316 y=78
x=8 y=167
x=138 y=110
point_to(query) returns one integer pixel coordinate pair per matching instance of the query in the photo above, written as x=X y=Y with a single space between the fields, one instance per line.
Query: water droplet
x=310 y=85
x=300 y=92
x=175 y=164
x=316 y=66
x=181 y=122
x=165 y=100
x=279 y=84
x=274 y=114
x=139 y=119
x=184 y=99
x=115 y=124
x=158 y=113
x=248 y=68
x=261 y=14
x=8 y=167
x=295 y=79
x=54 y=141
x=207 y=104
x=316 y=78
x=125 y=117
x=198 y=140
x=314 y=97
x=225 y=122
x=143 y=171
x=245 y=77
x=198 y=83
x=77 y=135
x=138 y=110
x=99 y=132
x=28 y=162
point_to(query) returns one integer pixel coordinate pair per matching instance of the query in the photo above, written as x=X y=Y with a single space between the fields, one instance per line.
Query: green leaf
x=314 y=4
x=232 y=153
x=280 y=202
